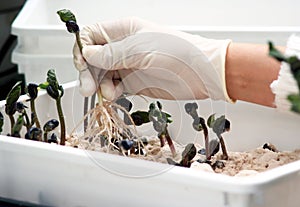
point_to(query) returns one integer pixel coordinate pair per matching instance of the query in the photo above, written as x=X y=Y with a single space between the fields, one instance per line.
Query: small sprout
x=48 y=127
x=270 y=147
x=34 y=133
x=160 y=122
x=21 y=108
x=219 y=126
x=188 y=154
x=56 y=91
x=198 y=124
x=11 y=100
x=17 y=126
x=53 y=139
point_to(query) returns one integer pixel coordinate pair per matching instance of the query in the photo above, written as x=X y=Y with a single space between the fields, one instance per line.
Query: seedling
x=32 y=92
x=56 y=92
x=294 y=63
x=34 y=133
x=219 y=126
x=187 y=156
x=11 y=101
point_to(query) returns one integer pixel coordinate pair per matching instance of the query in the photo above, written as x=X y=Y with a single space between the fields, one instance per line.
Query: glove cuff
x=286 y=84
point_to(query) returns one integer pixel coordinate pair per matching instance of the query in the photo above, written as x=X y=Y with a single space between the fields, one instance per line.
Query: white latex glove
x=286 y=84
x=138 y=57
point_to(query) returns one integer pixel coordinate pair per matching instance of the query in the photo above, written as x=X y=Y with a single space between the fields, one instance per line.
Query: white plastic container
x=43 y=41
x=52 y=175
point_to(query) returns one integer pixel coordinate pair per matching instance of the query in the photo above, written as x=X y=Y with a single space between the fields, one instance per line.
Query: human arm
x=249 y=72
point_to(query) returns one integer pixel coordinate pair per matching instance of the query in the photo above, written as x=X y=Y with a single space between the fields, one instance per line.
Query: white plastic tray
x=52 y=175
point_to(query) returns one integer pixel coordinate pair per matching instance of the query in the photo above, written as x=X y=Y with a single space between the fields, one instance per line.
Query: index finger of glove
x=111 y=31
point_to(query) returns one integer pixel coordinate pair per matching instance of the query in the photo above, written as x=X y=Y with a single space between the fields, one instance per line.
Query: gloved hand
x=138 y=57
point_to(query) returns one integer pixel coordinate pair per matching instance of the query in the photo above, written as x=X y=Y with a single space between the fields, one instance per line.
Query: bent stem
x=225 y=154
x=33 y=110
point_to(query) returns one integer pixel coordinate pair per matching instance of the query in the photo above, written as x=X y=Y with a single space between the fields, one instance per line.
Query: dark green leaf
x=12 y=97
x=14 y=94
x=211 y=120
x=66 y=15
x=140 y=117
x=191 y=109
x=221 y=125
x=273 y=52
x=189 y=152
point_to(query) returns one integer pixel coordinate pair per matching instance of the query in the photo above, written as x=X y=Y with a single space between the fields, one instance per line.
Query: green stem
x=36 y=120
x=62 y=122
x=12 y=123
x=78 y=41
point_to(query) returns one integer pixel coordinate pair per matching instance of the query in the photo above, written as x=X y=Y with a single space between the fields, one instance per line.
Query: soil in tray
x=239 y=163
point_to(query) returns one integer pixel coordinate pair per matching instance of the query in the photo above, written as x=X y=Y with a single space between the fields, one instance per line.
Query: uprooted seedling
x=104 y=122
x=219 y=126
x=294 y=64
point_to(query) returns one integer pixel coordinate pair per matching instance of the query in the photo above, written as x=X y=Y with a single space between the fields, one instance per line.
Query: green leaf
x=189 y=152
x=273 y=52
x=1 y=121
x=43 y=85
x=221 y=125
x=66 y=15
x=295 y=101
x=12 y=97
x=140 y=117
x=53 y=89
x=211 y=120
x=14 y=94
